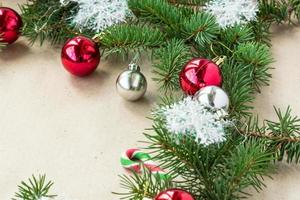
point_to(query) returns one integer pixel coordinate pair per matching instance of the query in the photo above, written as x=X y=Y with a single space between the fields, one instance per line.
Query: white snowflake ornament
x=231 y=12
x=97 y=15
x=190 y=117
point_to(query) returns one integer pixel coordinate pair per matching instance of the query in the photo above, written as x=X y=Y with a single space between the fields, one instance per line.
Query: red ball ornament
x=80 y=56
x=174 y=194
x=10 y=25
x=198 y=73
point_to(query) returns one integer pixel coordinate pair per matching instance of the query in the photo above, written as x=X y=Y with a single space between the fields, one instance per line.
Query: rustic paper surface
x=74 y=129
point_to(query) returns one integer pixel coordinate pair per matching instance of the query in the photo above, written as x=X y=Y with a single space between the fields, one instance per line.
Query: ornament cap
x=134 y=67
x=219 y=60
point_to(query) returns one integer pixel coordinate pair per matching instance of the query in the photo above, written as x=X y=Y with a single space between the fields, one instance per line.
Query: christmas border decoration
x=217 y=52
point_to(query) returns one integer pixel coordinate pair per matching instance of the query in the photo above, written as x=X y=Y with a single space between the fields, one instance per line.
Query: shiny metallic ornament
x=131 y=84
x=213 y=96
x=199 y=73
x=80 y=56
x=174 y=194
x=10 y=25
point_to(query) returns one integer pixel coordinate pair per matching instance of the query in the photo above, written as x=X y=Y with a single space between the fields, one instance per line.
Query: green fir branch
x=47 y=20
x=122 y=39
x=239 y=86
x=261 y=30
x=211 y=172
x=34 y=189
x=244 y=168
x=279 y=11
x=140 y=186
x=179 y=160
x=237 y=35
x=169 y=62
x=282 y=137
x=202 y=27
x=258 y=57
x=158 y=12
x=191 y=3
x=273 y=11
x=296 y=8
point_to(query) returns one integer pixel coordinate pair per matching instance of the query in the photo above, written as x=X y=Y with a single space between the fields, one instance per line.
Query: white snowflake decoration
x=98 y=15
x=191 y=117
x=231 y=12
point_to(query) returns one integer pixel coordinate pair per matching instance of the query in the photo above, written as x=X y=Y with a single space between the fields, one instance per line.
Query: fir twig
x=158 y=12
x=34 y=189
x=123 y=39
x=47 y=20
x=258 y=57
x=238 y=85
x=246 y=167
x=191 y=3
x=283 y=136
x=170 y=59
x=202 y=27
x=140 y=186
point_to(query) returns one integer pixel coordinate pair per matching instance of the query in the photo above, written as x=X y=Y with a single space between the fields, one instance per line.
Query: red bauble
x=80 y=56
x=198 y=73
x=174 y=194
x=10 y=25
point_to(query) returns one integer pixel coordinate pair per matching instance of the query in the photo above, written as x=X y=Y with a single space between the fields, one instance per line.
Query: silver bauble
x=213 y=96
x=131 y=83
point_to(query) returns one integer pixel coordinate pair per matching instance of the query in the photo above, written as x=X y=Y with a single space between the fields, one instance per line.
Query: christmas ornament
x=98 y=15
x=232 y=12
x=80 y=56
x=131 y=84
x=10 y=25
x=191 y=117
x=133 y=159
x=213 y=96
x=174 y=194
x=198 y=73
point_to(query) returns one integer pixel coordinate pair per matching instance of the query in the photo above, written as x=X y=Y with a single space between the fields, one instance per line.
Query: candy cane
x=133 y=159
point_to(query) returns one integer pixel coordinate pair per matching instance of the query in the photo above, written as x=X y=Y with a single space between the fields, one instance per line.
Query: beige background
x=75 y=129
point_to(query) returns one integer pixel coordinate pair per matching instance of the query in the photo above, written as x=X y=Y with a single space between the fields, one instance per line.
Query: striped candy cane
x=133 y=159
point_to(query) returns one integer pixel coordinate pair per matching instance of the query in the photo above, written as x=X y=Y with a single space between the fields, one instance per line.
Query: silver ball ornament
x=131 y=83
x=213 y=96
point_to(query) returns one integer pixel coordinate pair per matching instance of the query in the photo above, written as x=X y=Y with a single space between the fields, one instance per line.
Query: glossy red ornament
x=198 y=73
x=80 y=56
x=174 y=194
x=10 y=25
